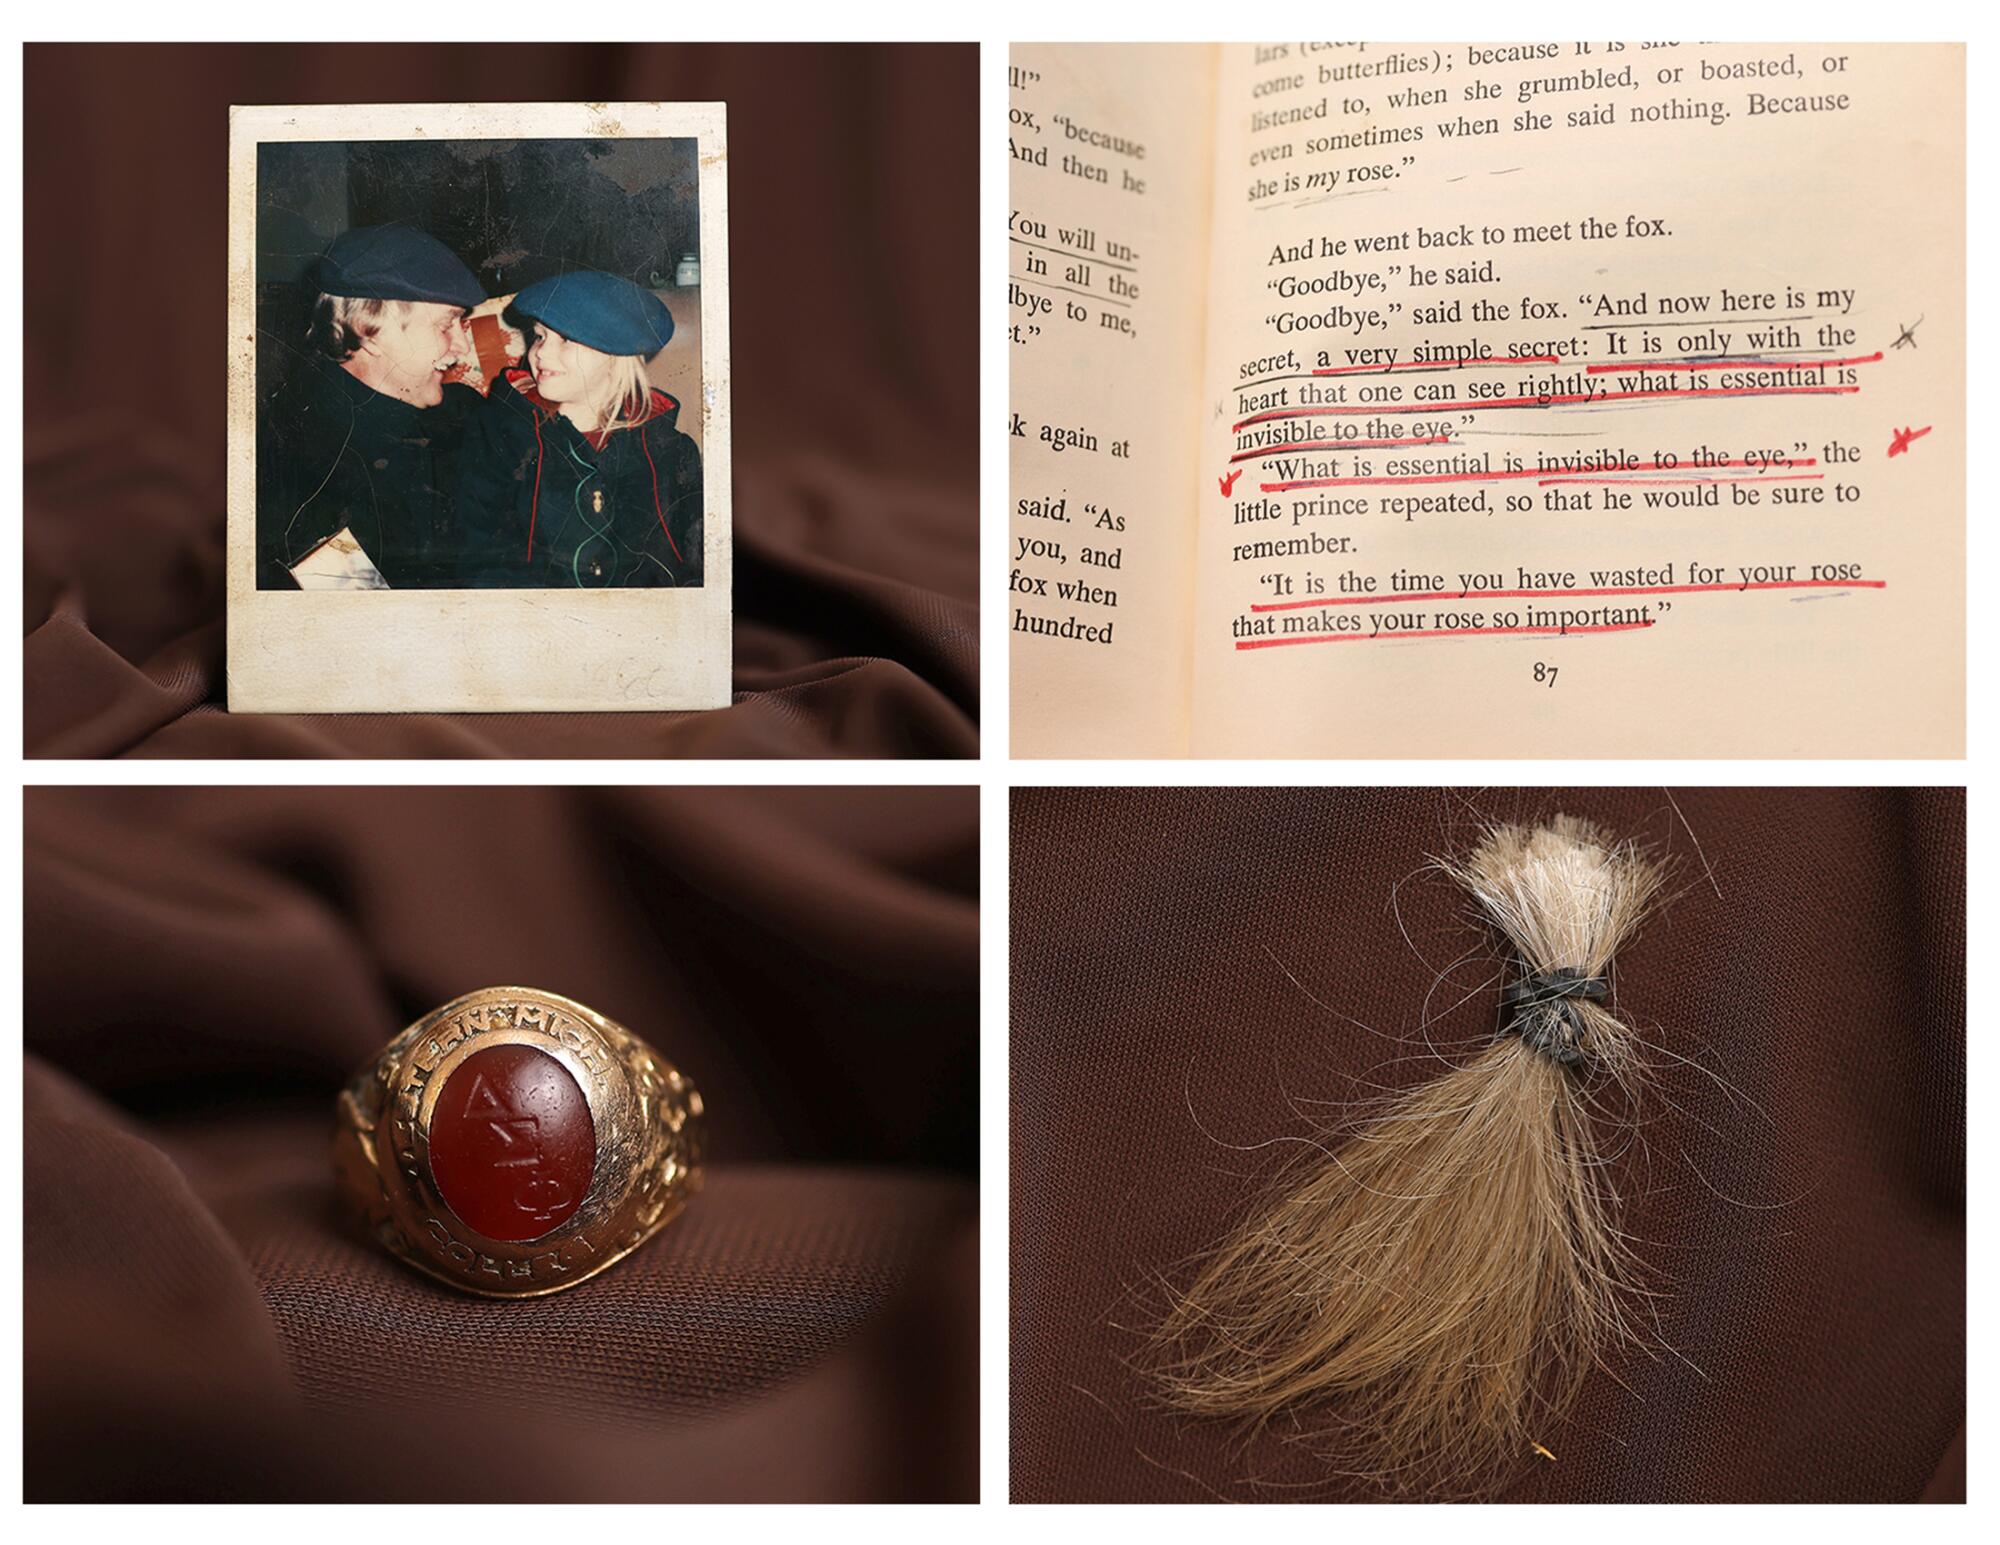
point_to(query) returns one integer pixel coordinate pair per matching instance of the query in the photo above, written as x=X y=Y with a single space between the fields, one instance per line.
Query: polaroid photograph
x=478 y=408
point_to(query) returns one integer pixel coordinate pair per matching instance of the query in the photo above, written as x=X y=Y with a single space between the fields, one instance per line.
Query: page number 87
x=1545 y=674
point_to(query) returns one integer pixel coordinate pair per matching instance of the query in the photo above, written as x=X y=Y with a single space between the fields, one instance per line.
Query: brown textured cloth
x=206 y=967
x=853 y=330
x=1815 y=1259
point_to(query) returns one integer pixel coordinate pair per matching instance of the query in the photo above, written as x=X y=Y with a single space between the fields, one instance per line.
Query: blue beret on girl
x=603 y=311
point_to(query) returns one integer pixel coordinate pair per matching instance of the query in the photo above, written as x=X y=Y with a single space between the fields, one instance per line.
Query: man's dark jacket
x=334 y=453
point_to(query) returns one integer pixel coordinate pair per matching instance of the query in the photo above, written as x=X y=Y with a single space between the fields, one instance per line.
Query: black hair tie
x=1540 y=1009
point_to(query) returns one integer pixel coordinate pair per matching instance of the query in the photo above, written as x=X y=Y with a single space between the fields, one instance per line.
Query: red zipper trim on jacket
x=658 y=513
x=535 y=503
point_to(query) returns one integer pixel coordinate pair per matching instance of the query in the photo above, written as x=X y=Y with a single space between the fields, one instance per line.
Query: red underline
x=1680 y=482
x=1440 y=364
x=1562 y=400
x=1725 y=361
x=1518 y=595
x=1487 y=477
x=1342 y=445
x=1358 y=638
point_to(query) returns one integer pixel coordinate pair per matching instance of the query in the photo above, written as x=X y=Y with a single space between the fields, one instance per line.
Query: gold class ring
x=513 y=1143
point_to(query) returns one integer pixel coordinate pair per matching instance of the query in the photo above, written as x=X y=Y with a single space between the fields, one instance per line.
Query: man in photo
x=356 y=448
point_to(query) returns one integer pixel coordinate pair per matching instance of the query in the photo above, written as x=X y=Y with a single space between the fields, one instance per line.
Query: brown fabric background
x=853 y=181
x=1153 y=1023
x=205 y=968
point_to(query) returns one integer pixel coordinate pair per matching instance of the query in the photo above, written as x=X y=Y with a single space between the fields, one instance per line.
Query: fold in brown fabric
x=206 y=967
x=853 y=181
x=1194 y=969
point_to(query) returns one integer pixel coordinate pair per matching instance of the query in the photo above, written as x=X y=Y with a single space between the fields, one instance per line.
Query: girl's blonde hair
x=628 y=399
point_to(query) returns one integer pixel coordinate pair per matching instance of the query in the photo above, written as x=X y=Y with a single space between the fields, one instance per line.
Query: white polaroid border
x=479 y=651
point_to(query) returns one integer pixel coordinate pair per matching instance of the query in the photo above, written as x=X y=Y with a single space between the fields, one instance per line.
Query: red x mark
x=1903 y=438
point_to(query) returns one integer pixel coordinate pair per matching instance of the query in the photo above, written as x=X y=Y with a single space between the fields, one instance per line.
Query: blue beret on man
x=602 y=311
x=393 y=262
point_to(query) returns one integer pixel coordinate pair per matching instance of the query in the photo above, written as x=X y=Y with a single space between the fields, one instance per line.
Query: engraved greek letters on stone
x=510 y=1145
x=540 y=1195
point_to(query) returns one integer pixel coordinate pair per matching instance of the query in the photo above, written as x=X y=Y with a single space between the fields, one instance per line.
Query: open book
x=1466 y=400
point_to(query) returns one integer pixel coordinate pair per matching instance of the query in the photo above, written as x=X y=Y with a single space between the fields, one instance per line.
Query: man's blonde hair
x=342 y=323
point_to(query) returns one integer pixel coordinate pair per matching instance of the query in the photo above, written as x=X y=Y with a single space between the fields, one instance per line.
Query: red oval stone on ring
x=512 y=1143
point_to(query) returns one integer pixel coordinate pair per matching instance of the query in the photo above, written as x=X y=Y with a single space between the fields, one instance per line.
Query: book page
x=339 y=563
x=1107 y=265
x=1585 y=400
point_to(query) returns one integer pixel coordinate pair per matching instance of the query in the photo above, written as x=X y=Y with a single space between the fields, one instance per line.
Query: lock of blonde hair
x=1427 y=1294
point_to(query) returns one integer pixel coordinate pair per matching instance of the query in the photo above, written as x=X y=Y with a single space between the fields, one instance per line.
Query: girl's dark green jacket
x=542 y=504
